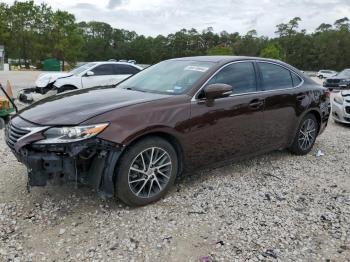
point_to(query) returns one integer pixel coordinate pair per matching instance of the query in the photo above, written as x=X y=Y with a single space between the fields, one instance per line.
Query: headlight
x=345 y=80
x=58 y=135
x=339 y=99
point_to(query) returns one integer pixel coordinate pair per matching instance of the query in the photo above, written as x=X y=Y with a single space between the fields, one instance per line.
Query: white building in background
x=2 y=57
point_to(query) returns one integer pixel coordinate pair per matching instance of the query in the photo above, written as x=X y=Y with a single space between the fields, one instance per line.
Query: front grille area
x=333 y=81
x=14 y=133
x=347 y=109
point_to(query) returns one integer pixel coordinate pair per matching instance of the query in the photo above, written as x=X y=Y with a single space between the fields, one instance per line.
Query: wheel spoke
x=150 y=188
x=142 y=187
x=151 y=158
x=162 y=174
x=138 y=170
x=159 y=158
x=163 y=165
x=137 y=180
x=143 y=162
x=156 y=179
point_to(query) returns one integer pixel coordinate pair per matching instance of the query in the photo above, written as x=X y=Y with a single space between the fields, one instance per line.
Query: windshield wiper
x=134 y=89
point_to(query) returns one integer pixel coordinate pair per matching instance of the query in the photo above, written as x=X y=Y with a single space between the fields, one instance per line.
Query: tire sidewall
x=123 y=190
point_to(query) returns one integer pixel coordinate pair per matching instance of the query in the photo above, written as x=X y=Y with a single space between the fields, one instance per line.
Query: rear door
x=284 y=102
x=229 y=126
x=103 y=76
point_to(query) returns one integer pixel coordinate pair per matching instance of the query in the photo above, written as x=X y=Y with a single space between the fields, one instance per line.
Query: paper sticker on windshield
x=196 y=68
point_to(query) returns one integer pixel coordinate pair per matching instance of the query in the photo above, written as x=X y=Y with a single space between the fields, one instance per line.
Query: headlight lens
x=58 y=135
x=339 y=99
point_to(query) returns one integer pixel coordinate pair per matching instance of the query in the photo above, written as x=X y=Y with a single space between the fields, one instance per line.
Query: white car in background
x=326 y=73
x=88 y=75
x=341 y=107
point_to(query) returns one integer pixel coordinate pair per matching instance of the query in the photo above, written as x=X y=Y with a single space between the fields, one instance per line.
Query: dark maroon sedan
x=134 y=139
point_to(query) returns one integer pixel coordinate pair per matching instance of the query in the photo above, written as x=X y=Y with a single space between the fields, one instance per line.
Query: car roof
x=224 y=59
x=114 y=62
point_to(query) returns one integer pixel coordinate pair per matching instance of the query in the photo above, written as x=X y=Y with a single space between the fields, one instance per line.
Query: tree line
x=32 y=33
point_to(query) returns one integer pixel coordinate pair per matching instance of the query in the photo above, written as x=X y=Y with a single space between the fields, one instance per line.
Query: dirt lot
x=274 y=207
x=19 y=79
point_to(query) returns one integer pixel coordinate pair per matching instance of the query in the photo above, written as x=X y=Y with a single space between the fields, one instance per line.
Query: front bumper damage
x=341 y=113
x=90 y=162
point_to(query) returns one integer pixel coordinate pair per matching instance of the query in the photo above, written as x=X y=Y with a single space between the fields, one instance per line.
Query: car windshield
x=344 y=73
x=82 y=68
x=169 y=77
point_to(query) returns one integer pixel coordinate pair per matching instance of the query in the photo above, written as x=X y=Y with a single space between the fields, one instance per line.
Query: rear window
x=125 y=70
x=275 y=77
x=296 y=80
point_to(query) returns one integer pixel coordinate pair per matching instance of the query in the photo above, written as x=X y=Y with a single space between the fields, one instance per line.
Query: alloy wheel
x=149 y=172
x=307 y=134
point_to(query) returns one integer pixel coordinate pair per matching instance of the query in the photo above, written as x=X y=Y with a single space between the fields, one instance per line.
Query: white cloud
x=153 y=17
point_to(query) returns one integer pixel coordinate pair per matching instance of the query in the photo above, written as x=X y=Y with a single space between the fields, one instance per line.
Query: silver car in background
x=326 y=73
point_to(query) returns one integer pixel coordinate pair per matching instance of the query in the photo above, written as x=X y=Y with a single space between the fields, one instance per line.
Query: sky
x=154 y=17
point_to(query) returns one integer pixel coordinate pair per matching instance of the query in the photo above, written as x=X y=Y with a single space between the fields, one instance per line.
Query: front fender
x=71 y=81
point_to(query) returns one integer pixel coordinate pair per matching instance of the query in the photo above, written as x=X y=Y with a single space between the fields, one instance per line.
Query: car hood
x=47 y=78
x=74 y=107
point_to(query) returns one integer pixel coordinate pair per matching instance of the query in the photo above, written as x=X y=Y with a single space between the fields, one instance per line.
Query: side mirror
x=215 y=91
x=90 y=73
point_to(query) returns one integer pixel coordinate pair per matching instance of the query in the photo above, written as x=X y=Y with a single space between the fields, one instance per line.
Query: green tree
x=220 y=50
x=66 y=37
x=272 y=50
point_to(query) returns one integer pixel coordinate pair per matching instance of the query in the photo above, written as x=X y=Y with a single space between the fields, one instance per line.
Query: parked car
x=134 y=140
x=340 y=81
x=341 y=107
x=86 y=76
x=326 y=73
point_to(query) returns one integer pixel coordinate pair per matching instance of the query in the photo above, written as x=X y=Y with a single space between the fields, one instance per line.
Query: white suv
x=326 y=73
x=88 y=75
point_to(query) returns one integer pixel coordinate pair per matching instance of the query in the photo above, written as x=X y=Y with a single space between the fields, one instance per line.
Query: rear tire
x=147 y=170
x=305 y=136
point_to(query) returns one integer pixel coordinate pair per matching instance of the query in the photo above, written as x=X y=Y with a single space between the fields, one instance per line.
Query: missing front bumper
x=90 y=163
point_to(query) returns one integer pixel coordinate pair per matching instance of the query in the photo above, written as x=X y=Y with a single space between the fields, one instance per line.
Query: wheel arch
x=169 y=137
x=317 y=115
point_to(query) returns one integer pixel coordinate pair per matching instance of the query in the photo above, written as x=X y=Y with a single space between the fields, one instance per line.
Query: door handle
x=300 y=97
x=256 y=103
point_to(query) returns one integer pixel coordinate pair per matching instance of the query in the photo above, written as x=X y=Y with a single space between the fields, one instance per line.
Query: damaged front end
x=89 y=161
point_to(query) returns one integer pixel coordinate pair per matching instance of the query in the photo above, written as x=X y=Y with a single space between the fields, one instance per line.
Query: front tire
x=305 y=136
x=147 y=170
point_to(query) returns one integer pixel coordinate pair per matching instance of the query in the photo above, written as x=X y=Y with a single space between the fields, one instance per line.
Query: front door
x=230 y=126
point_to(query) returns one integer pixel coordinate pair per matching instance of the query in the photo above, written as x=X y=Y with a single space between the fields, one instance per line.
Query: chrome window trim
x=194 y=98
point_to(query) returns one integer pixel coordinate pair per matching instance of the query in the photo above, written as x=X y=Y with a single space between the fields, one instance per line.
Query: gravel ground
x=273 y=207
x=276 y=206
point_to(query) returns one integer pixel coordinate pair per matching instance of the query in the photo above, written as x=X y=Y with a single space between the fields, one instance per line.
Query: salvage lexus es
x=134 y=139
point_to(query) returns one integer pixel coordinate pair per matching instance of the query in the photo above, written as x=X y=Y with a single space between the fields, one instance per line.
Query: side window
x=102 y=70
x=296 y=80
x=275 y=77
x=241 y=76
x=125 y=70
